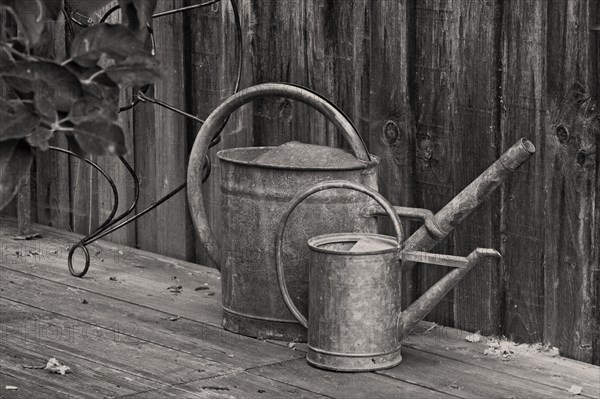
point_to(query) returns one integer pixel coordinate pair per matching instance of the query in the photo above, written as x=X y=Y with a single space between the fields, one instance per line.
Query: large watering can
x=256 y=185
x=355 y=321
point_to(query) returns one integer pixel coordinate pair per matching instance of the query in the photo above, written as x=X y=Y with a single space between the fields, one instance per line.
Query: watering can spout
x=417 y=311
x=442 y=223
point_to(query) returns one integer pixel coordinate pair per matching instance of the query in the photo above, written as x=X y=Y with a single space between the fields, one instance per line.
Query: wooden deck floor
x=124 y=333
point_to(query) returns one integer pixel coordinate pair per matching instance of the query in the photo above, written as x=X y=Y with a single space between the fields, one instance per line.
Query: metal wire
x=112 y=223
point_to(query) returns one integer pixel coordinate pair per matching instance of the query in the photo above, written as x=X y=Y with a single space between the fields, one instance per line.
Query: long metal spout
x=410 y=317
x=468 y=199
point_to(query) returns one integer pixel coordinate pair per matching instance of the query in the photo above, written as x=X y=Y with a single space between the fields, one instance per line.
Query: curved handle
x=218 y=117
x=294 y=203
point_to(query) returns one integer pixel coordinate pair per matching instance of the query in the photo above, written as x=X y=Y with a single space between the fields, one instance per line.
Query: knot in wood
x=285 y=109
x=562 y=133
x=391 y=132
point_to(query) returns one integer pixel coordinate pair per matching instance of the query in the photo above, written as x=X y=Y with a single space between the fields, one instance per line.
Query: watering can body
x=253 y=197
x=256 y=184
x=354 y=303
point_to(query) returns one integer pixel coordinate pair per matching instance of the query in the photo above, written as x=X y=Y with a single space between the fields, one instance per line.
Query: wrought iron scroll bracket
x=114 y=222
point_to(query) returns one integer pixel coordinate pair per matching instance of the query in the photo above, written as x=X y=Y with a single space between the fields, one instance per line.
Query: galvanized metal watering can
x=258 y=183
x=355 y=321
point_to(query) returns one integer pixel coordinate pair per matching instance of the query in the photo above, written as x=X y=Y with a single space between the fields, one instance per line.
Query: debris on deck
x=575 y=390
x=54 y=366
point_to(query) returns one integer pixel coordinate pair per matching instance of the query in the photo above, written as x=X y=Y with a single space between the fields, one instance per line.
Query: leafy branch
x=78 y=97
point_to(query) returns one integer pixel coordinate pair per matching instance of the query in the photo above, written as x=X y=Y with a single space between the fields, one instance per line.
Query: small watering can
x=355 y=322
x=256 y=185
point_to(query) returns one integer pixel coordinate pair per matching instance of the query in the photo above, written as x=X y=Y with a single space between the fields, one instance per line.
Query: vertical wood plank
x=10 y=210
x=279 y=53
x=347 y=34
x=391 y=132
x=572 y=127
x=24 y=206
x=146 y=166
x=321 y=44
x=84 y=183
x=52 y=168
x=113 y=166
x=523 y=67
x=207 y=79
x=174 y=236
x=595 y=70
x=84 y=197
x=214 y=61
x=475 y=130
x=434 y=90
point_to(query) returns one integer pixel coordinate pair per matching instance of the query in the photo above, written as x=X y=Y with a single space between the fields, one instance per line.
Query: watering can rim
x=225 y=155
x=314 y=243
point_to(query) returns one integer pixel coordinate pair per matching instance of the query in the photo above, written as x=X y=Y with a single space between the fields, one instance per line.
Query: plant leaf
x=136 y=15
x=6 y=60
x=138 y=69
x=92 y=110
x=17 y=122
x=100 y=138
x=59 y=85
x=45 y=107
x=116 y=41
x=108 y=93
x=74 y=146
x=39 y=138
x=15 y=162
x=88 y=7
x=102 y=87
x=53 y=8
x=31 y=18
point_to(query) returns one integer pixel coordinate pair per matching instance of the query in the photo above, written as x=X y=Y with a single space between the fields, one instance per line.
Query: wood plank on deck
x=146 y=342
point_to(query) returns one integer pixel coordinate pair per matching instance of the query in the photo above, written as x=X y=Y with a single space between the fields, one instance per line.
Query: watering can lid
x=308 y=156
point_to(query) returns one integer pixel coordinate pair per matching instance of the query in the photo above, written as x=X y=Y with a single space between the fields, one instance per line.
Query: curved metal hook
x=108 y=179
x=113 y=223
x=86 y=253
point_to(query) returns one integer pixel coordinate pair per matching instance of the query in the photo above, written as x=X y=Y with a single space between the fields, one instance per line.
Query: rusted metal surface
x=254 y=195
x=420 y=308
x=355 y=322
x=354 y=297
x=435 y=259
x=219 y=116
x=424 y=215
x=253 y=199
x=469 y=198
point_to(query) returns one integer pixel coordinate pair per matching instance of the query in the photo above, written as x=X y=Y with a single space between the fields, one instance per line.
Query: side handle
x=328 y=185
x=218 y=117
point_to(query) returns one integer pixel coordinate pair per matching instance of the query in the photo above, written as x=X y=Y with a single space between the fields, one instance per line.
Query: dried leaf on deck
x=473 y=337
x=575 y=389
x=54 y=366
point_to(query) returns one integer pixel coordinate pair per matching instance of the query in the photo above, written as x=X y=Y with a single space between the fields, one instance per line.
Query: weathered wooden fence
x=438 y=89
